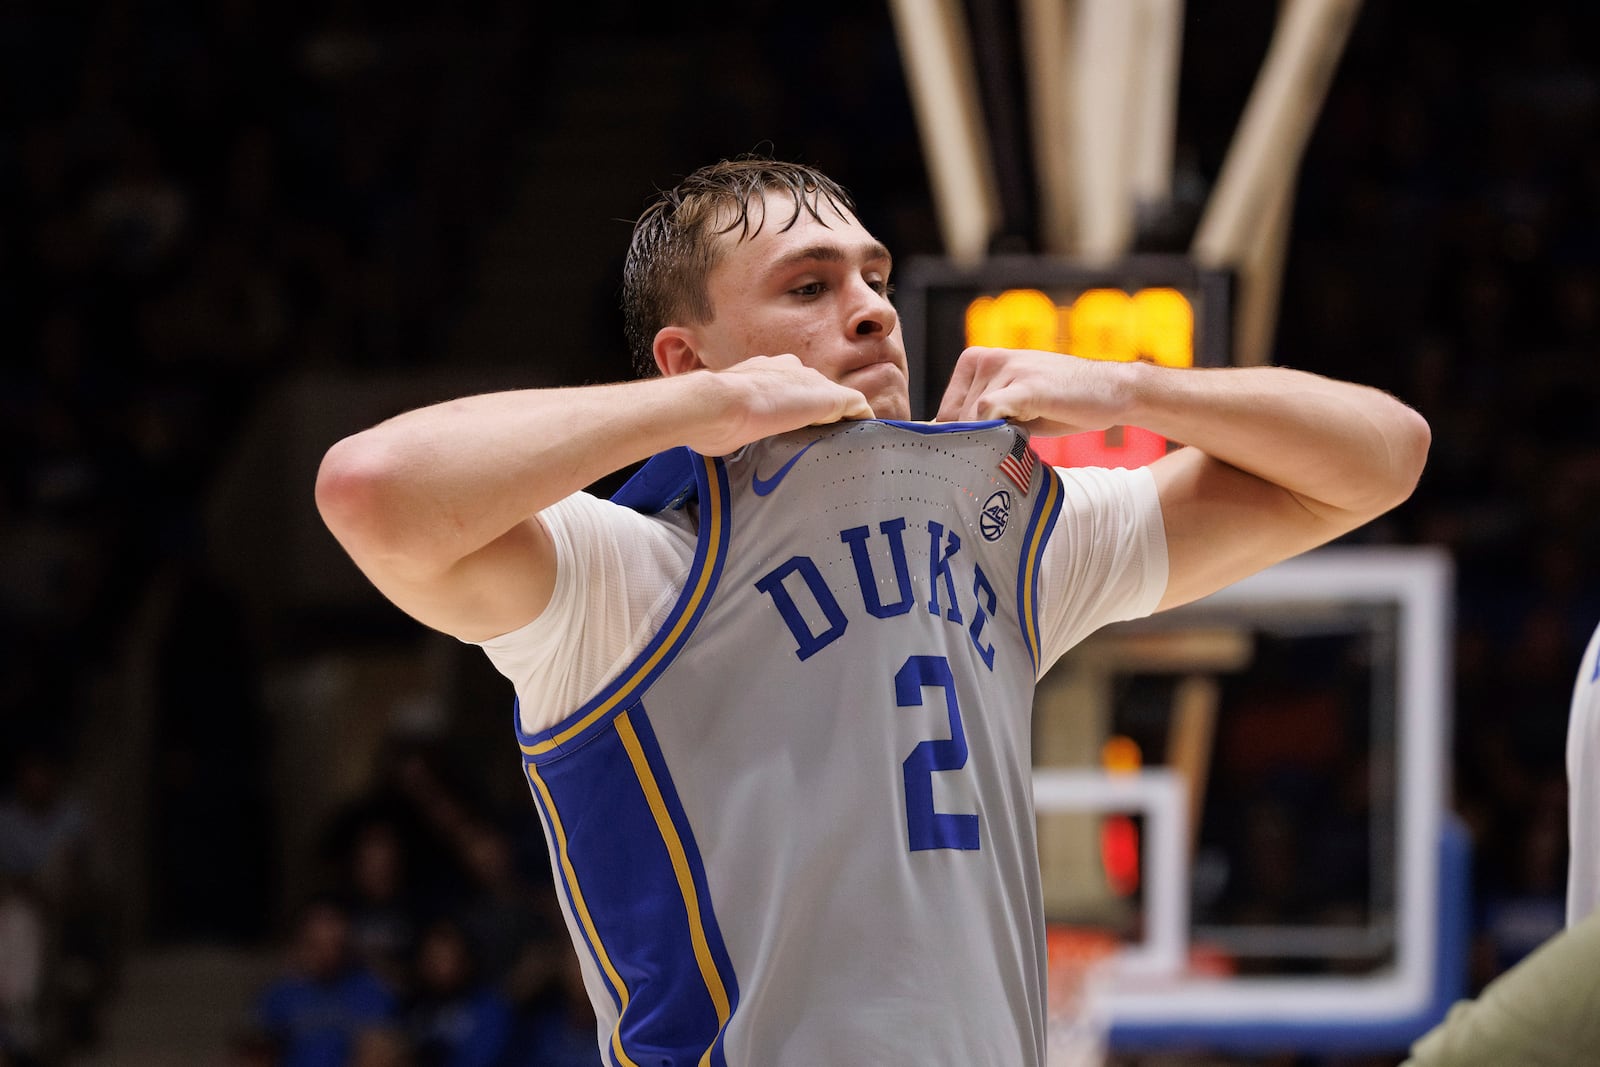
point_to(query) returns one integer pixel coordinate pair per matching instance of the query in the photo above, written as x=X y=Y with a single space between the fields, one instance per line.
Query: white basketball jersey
x=798 y=828
x=1583 y=783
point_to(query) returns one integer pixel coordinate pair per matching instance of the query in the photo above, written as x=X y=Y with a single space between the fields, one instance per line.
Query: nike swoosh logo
x=763 y=486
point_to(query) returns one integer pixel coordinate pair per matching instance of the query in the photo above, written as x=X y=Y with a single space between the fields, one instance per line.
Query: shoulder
x=1103 y=506
x=587 y=528
x=616 y=573
x=1108 y=511
x=600 y=546
x=1104 y=485
x=1106 y=560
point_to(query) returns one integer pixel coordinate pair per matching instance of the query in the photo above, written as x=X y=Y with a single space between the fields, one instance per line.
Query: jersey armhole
x=631 y=683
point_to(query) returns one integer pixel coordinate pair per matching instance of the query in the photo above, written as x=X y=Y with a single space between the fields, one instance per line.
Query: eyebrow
x=830 y=253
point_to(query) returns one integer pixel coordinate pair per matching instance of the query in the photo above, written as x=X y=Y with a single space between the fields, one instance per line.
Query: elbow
x=1413 y=438
x=373 y=497
x=355 y=492
x=1392 y=466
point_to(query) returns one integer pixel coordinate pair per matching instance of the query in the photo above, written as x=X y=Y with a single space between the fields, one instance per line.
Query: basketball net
x=1076 y=1020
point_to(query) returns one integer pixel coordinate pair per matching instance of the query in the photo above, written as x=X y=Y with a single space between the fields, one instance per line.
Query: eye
x=882 y=286
x=810 y=289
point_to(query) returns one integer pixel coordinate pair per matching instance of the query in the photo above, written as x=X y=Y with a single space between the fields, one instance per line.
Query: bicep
x=1223 y=524
x=500 y=587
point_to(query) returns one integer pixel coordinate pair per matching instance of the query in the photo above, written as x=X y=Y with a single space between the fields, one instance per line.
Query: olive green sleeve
x=1544 y=1012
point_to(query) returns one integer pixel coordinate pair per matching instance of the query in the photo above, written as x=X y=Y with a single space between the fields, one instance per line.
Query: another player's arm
x=1279 y=461
x=438 y=507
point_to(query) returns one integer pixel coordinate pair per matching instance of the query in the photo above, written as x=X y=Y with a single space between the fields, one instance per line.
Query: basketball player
x=774 y=699
x=1546 y=1009
x=1583 y=788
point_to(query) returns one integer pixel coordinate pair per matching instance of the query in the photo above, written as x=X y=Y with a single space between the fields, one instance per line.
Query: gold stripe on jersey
x=713 y=518
x=1030 y=621
x=680 y=867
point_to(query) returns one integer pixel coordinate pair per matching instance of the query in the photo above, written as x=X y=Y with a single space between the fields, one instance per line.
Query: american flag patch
x=1018 y=463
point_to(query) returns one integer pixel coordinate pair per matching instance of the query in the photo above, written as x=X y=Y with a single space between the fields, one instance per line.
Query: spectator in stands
x=44 y=832
x=384 y=917
x=560 y=1031
x=513 y=926
x=324 y=1000
x=47 y=853
x=22 y=955
x=454 y=1018
x=383 y=1047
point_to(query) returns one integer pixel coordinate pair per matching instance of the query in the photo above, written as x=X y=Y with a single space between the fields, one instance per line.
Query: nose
x=872 y=313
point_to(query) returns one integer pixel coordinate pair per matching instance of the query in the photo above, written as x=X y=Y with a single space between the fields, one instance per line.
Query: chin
x=885 y=387
x=893 y=406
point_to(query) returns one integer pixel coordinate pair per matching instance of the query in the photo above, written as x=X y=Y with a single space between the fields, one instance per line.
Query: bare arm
x=1280 y=461
x=438 y=507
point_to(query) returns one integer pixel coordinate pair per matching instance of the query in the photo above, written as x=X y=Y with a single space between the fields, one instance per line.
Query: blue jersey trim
x=577 y=905
x=702 y=913
x=942 y=427
x=704 y=572
x=635 y=884
x=670 y=478
x=665 y=481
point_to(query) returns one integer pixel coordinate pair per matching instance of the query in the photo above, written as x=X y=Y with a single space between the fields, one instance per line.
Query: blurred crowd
x=198 y=199
x=57 y=931
x=195 y=201
x=436 y=941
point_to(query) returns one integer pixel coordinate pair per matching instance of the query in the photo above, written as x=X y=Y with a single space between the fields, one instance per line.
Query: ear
x=676 y=350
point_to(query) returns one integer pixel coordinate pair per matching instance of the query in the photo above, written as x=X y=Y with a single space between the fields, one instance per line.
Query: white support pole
x=1246 y=222
x=1266 y=150
x=1104 y=46
x=1046 y=45
x=1260 y=281
x=940 y=75
x=1159 y=32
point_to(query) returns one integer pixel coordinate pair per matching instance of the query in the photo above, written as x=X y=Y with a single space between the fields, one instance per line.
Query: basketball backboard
x=1298 y=884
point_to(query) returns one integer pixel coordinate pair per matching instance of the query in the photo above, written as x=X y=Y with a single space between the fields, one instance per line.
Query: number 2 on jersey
x=927 y=828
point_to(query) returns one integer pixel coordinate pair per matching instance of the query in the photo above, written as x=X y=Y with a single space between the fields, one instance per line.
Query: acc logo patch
x=996 y=513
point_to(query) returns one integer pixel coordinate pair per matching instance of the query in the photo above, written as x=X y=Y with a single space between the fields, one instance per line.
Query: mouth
x=874 y=373
x=885 y=385
x=888 y=362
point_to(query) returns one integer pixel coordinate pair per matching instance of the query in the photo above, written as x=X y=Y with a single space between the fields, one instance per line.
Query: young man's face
x=817 y=292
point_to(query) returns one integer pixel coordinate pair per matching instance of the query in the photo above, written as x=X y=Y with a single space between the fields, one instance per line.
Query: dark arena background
x=233 y=232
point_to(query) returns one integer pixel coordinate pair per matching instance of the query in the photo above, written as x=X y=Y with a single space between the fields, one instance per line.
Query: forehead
x=777 y=226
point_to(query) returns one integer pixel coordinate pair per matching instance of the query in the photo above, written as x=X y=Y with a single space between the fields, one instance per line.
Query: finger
x=956 y=393
x=853 y=413
x=1013 y=400
x=857 y=407
x=957 y=402
x=999 y=403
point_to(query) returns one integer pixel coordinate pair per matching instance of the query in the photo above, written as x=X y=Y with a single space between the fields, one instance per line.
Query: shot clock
x=1163 y=309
